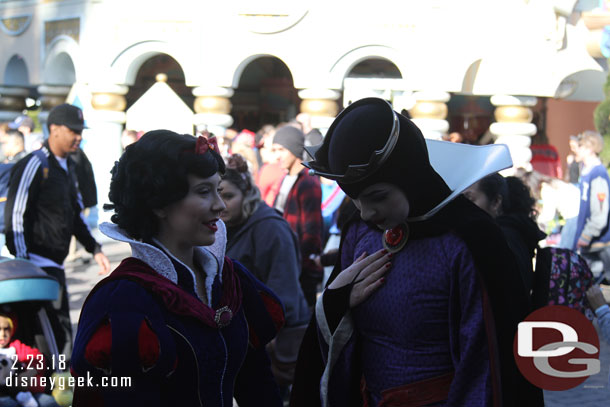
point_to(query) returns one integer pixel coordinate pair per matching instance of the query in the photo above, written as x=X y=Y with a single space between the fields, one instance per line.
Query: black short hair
x=151 y=174
x=494 y=185
x=521 y=199
x=516 y=195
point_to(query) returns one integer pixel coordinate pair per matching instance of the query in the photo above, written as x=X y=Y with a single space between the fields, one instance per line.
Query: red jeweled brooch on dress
x=395 y=239
x=223 y=317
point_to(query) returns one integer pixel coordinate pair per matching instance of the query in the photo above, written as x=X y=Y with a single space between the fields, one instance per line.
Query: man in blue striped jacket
x=43 y=210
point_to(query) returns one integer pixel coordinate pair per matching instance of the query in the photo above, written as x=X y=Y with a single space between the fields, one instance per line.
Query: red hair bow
x=205 y=144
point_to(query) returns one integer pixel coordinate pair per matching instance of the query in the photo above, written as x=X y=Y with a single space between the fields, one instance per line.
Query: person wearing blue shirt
x=592 y=236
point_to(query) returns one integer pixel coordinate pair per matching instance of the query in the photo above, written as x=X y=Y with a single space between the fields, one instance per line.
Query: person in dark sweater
x=509 y=202
x=261 y=239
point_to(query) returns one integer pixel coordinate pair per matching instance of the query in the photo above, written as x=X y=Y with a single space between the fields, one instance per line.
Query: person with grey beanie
x=300 y=201
x=292 y=139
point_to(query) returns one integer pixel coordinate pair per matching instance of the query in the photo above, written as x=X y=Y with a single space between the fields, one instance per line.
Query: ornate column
x=430 y=113
x=213 y=108
x=321 y=105
x=513 y=127
x=12 y=102
x=103 y=138
x=50 y=96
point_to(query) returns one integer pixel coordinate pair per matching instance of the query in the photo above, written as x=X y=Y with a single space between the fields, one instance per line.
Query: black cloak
x=351 y=139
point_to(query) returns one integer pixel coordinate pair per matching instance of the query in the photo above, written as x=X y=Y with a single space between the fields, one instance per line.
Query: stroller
x=26 y=292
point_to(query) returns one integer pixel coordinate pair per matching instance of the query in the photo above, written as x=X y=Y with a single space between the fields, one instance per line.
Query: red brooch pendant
x=395 y=239
x=223 y=317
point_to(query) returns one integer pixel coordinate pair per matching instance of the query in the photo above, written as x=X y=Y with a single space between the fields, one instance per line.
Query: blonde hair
x=592 y=139
x=10 y=321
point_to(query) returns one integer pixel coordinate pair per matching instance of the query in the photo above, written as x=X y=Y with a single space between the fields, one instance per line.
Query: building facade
x=473 y=66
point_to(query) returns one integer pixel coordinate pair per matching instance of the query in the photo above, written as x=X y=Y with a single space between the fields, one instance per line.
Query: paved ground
x=594 y=392
x=81 y=277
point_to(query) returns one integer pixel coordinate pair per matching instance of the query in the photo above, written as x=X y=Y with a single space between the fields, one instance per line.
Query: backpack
x=85 y=177
x=5 y=176
x=562 y=277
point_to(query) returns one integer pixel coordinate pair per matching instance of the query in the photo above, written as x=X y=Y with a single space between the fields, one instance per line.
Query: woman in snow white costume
x=424 y=302
x=184 y=322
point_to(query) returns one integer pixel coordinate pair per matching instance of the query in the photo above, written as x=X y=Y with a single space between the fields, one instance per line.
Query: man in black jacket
x=43 y=210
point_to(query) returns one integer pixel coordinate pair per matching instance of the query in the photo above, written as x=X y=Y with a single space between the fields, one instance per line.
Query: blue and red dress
x=146 y=322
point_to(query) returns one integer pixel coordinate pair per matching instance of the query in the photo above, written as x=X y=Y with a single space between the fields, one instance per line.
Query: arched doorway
x=58 y=77
x=16 y=73
x=146 y=77
x=470 y=116
x=375 y=68
x=20 y=94
x=265 y=95
x=60 y=71
x=372 y=77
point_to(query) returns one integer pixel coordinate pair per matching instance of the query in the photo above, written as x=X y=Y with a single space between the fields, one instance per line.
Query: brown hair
x=592 y=139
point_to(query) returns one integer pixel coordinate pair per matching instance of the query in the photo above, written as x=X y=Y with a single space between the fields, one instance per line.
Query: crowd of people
x=283 y=265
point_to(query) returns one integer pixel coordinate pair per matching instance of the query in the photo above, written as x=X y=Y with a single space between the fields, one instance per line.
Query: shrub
x=601 y=117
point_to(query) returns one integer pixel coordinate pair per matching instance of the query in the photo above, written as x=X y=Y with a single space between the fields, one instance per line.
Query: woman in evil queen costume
x=423 y=304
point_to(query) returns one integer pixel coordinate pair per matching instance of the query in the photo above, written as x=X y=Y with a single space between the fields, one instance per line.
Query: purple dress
x=426 y=320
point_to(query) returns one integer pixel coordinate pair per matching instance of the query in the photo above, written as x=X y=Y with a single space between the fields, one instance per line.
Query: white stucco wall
x=433 y=43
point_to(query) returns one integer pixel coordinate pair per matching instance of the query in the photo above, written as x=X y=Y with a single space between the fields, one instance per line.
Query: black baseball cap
x=67 y=115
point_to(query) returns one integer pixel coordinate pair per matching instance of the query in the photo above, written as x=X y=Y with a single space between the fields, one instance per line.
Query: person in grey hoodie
x=261 y=239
